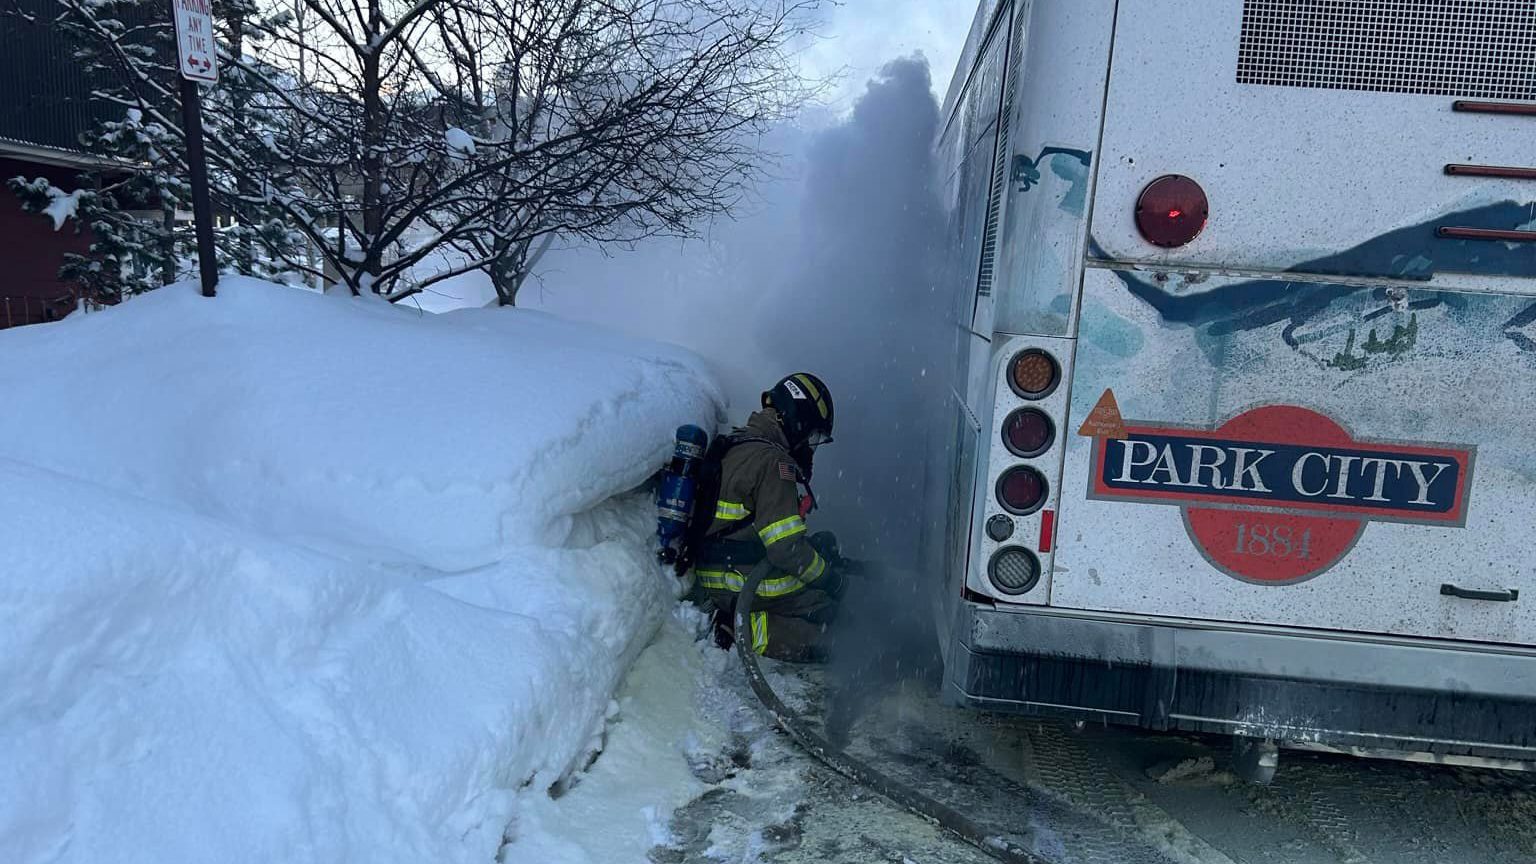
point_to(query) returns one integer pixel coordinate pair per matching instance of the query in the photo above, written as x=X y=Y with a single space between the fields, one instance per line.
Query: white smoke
x=863 y=308
x=830 y=271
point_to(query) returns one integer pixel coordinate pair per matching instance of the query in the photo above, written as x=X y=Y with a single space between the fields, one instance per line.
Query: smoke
x=862 y=309
x=833 y=271
x=702 y=294
x=830 y=270
x=866 y=310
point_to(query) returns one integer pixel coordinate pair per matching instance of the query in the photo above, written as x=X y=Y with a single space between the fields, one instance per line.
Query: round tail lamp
x=1171 y=211
x=1033 y=374
x=1028 y=432
x=1014 y=570
x=1021 y=490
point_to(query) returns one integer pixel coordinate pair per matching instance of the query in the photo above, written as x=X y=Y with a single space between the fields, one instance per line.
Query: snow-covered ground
x=693 y=771
x=688 y=727
x=300 y=578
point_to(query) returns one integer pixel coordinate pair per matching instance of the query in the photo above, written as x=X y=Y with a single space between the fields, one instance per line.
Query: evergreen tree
x=130 y=251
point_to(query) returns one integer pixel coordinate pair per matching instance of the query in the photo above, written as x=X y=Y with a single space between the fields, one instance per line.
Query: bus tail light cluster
x=1019 y=523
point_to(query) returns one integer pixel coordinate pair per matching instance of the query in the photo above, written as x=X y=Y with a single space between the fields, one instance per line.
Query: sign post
x=198 y=59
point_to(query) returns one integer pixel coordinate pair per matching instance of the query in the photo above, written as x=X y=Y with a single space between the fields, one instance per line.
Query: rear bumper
x=1294 y=685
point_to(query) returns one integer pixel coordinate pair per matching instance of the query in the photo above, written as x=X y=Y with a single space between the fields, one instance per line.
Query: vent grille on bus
x=993 y=226
x=1481 y=48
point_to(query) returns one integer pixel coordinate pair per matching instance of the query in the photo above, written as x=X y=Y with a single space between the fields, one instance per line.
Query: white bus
x=1246 y=436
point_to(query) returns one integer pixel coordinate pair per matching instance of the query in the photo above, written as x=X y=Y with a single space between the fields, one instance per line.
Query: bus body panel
x=1333 y=528
x=1062 y=56
x=1034 y=235
x=1310 y=178
x=966 y=155
x=986 y=10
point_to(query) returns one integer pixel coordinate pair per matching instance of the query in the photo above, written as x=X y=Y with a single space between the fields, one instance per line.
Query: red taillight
x=1033 y=374
x=1021 y=490
x=1028 y=432
x=1171 y=211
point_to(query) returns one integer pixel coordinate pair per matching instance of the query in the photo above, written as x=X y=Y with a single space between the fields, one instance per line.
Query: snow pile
x=348 y=425
x=297 y=578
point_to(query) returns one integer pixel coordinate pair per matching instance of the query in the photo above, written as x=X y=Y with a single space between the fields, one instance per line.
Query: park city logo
x=1279 y=493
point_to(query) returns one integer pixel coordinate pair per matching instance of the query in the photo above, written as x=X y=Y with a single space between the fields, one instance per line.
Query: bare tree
x=619 y=120
x=385 y=131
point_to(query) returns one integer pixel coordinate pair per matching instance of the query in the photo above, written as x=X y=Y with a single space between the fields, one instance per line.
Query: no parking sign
x=195 y=47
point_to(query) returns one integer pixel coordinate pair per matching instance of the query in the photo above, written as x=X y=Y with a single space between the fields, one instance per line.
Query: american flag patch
x=787 y=471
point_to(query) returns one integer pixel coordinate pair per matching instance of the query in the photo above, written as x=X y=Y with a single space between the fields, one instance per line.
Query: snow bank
x=348 y=425
x=230 y=634
x=465 y=291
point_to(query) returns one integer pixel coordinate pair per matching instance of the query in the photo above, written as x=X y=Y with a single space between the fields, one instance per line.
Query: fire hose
x=903 y=796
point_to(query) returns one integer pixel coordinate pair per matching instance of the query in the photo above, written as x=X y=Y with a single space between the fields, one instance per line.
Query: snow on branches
x=379 y=132
x=43 y=197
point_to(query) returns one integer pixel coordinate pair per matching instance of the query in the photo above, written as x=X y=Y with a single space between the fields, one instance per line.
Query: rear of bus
x=1245 y=443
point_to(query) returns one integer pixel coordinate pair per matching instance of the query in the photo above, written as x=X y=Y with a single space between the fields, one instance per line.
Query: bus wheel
x=1255 y=759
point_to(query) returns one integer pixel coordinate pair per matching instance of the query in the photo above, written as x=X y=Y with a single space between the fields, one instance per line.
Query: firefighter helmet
x=804 y=405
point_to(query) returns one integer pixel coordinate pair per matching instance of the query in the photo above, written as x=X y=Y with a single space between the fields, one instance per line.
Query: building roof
x=28 y=152
x=45 y=92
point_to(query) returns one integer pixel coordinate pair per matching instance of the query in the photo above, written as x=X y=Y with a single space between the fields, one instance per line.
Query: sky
x=860 y=36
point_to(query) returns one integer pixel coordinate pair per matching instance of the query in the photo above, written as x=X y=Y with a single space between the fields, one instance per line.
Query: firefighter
x=759 y=514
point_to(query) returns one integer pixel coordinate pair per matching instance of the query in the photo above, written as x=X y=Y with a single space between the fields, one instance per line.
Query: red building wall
x=31 y=251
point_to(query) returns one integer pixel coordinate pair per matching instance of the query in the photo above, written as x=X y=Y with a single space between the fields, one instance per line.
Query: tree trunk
x=373 y=159
x=245 y=183
x=167 y=243
x=506 y=273
x=513 y=264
